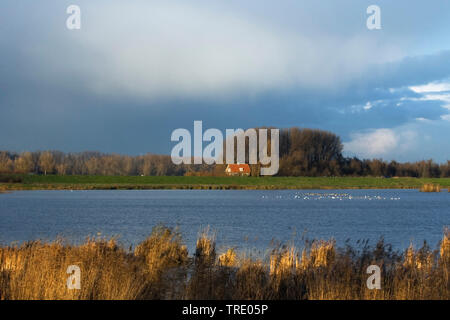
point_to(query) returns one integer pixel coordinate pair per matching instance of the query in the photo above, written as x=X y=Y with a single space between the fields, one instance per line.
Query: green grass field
x=35 y=182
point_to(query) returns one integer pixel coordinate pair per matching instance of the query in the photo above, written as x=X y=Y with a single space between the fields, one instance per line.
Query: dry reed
x=430 y=187
x=160 y=268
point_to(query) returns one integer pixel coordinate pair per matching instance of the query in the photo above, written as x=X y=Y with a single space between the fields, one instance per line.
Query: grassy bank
x=49 y=182
x=161 y=268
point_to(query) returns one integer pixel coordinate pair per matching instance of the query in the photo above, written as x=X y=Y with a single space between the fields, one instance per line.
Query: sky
x=137 y=70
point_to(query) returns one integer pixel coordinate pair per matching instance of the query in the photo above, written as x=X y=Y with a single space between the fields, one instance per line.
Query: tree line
x=87 y=163
x=310 y=152
x=303 y=152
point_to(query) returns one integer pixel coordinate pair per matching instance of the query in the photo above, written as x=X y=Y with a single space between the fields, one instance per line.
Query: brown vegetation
x=160 y=268
x=430 y=187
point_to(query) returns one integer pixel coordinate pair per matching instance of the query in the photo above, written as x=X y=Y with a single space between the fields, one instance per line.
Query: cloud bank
x=138 y=70
x=380 y=143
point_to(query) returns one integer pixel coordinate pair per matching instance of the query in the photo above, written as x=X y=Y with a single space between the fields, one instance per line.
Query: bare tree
x=24 y=163
x=47 y=162
x=6 y=163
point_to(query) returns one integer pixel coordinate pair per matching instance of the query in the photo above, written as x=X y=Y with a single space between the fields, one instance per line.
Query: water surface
x=242 y=218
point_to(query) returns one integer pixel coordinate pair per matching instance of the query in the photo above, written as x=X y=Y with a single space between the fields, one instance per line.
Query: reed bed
x=430 y=187
x=161 y=268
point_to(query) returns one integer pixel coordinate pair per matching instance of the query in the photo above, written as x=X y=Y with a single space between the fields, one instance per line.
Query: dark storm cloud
x=123 y=85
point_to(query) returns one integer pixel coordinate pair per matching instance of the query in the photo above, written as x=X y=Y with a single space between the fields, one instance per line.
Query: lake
x=248 y=219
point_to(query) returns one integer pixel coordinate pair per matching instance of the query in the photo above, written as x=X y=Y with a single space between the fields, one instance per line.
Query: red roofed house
x=238 y=170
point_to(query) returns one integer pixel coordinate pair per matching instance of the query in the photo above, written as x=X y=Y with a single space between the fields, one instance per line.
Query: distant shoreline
x=55 y=182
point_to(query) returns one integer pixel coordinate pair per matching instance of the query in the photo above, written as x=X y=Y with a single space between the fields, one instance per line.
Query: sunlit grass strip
x=55 y=182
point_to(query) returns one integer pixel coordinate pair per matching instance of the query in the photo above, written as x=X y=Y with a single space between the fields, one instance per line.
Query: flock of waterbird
x=331 y=196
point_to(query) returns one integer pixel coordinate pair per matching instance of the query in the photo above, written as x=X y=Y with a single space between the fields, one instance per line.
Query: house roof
x=238 y=168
